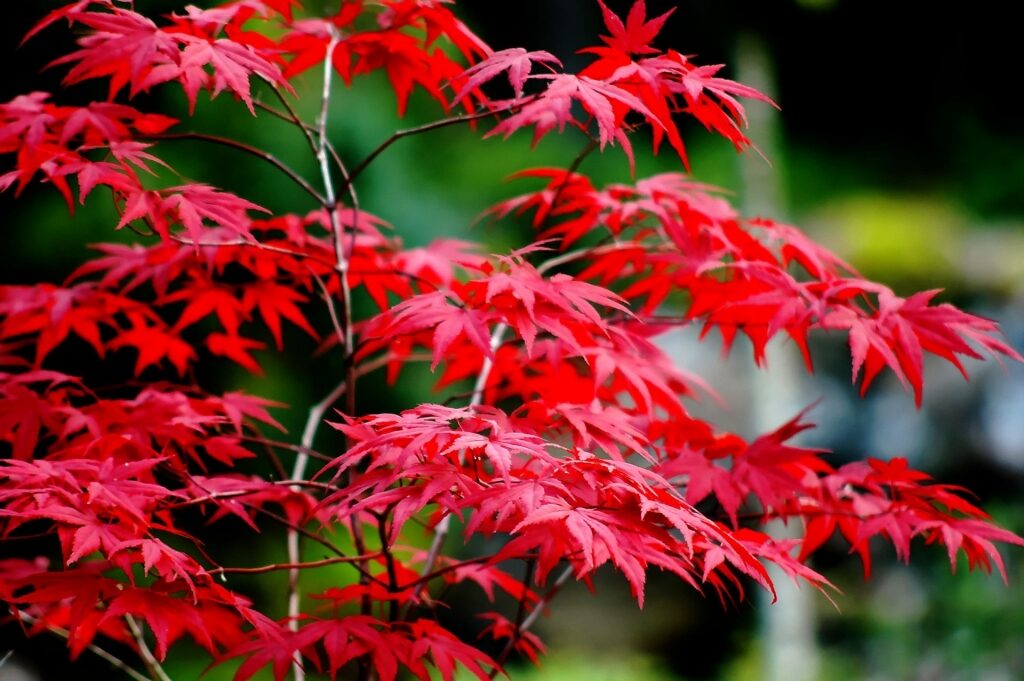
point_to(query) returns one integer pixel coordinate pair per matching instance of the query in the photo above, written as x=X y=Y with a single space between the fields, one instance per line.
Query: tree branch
x=319 y=540
x=426 y=127
x=313 y=421
x=389 y=562
x=347 y=387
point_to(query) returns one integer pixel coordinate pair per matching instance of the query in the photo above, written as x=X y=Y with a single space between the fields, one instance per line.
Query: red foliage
x=574 y=448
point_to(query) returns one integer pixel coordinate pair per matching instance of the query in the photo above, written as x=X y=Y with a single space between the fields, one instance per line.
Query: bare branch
x=249 y=149
x=427 y=127
x=293 y=566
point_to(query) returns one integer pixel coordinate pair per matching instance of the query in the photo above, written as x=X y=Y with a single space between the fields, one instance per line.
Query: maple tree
x=573 y=448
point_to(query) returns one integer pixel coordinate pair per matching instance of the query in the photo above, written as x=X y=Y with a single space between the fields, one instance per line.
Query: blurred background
x=897 y=146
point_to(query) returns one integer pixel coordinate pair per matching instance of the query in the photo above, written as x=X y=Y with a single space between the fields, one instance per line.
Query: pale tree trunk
x=788 y=627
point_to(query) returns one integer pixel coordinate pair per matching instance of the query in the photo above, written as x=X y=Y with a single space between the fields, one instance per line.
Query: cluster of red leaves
x=115 y=473
x=673 y=235
x=576 y=447
x=628 y=76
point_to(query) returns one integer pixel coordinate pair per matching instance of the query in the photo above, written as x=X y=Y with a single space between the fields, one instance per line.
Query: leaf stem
x=446 y=569
x=293 y=116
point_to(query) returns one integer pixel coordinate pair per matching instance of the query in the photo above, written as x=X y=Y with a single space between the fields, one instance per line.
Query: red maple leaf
x=236 y=348
x=516 y=61
x=154 y=344
x=635 y=35
x=553 y=108
x=231 y=63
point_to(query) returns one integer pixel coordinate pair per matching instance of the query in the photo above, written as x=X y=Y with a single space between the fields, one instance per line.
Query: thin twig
x=316 y=538
x=426 y=127
x=571 y=256
x=587 y=150
x=113 y=660
x=339 y=332
x=277 y=444
x=236 y=493
x=531 y=619
x=440 y=534
x=293 y=566
x=330 y=264
x=252 y=244
x=152 y=664
x=430 y=576
x=271 y=110
x=531 y=570
x=249 y=149
x=313 y=421
x=293 y=115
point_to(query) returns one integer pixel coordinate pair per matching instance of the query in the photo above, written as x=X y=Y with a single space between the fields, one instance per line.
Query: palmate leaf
x=890 y=500
x=515 y=294
x=232 y=65
x=125 y=47
x=636 y=34
x=55 y=142
x=553 y=108
x=192 y=204
x=516 y=61
x=898 y=334
x=660 y=79
x=154 y=344
x=436 y=311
